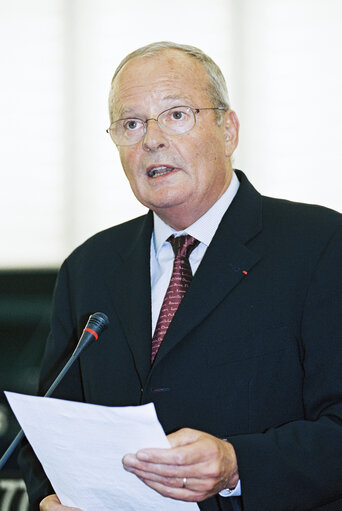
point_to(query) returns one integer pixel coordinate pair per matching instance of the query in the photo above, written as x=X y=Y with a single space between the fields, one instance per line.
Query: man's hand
x=197 y=466
x=52 y=503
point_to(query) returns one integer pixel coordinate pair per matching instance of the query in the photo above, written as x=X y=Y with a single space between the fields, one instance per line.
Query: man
x=246 y=376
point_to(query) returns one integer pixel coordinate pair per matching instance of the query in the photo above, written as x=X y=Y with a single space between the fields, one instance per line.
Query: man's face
x=197 y=163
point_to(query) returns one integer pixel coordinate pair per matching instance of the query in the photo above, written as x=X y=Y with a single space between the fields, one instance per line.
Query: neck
x=180 y=217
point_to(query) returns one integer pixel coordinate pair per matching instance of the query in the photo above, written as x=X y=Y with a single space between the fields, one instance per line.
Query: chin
x=163 y=200
x=166 y=204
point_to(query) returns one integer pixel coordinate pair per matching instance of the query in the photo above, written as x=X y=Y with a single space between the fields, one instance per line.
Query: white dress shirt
x=162 y=257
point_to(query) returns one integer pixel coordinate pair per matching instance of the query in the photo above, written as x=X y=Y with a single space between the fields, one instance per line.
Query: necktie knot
x=183 y=245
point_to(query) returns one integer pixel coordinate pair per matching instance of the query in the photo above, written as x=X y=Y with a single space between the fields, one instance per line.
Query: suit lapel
x=132 y=295
x=222 y=268
x=226 y=263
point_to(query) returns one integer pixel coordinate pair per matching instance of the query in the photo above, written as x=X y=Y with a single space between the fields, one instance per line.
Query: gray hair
x=217 y=88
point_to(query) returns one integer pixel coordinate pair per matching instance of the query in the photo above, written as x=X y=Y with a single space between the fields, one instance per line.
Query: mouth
x=159 y=170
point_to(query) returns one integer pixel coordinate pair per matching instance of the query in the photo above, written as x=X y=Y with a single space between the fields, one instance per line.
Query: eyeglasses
x=173 y=121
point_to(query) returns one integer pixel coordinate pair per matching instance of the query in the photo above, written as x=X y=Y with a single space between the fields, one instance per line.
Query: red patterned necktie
x=180 y=281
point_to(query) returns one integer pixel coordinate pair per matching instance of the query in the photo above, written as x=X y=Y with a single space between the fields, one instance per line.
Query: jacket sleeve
x=298 y=465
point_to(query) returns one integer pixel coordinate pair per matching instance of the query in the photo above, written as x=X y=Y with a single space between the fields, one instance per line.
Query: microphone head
x=98 y=322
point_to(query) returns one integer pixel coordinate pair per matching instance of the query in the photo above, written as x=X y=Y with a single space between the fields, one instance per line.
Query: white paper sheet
x=81 y=447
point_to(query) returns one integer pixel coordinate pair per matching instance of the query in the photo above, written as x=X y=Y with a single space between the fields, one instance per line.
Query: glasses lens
x=177 y=120
x=127 y=131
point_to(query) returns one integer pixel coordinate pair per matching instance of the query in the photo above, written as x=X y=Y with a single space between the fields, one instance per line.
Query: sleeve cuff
x=236 y=492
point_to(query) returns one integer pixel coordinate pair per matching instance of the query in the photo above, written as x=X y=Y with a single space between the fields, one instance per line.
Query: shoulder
x=109 y=245
x=300 y=233
x=302 y=219
x=281 y=224
x=285 y=216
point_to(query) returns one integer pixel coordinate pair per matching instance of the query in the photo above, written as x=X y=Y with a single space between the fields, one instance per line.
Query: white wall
x=290 y=103
x=32 y=137
x=61 y=177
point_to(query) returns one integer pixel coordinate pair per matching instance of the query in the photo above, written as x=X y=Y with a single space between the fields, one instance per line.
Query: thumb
x=184 y=436
x=52 y=503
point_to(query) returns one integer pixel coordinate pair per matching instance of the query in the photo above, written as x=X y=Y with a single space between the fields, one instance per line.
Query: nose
x=154 y=138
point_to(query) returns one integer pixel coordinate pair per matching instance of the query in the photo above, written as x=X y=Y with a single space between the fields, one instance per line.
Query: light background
x=61 y=179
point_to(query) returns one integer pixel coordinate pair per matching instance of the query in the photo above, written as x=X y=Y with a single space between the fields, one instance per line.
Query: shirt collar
x=205 y=227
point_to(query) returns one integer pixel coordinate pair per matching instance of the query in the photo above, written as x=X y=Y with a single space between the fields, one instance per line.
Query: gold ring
x=184 y=482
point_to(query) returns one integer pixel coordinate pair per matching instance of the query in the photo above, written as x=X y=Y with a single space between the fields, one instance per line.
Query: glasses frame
x=195 y=111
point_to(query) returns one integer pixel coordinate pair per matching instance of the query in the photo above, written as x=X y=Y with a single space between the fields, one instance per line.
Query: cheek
x=214 y=152
x=128 y=162
x=206 y=158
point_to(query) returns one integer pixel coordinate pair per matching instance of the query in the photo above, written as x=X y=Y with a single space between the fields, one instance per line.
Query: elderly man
x=225 y=307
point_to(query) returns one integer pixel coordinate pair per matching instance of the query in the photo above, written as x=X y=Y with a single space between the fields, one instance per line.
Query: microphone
x=96 y=324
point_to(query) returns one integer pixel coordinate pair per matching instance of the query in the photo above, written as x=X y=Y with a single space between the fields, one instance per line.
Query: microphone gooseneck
x=96 y=324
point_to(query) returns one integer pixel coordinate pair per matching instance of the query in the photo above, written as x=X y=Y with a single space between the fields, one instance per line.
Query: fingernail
x=128 y=459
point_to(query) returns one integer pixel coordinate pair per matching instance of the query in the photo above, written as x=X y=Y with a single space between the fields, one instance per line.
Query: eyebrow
x=181 y=101
x=126 y=112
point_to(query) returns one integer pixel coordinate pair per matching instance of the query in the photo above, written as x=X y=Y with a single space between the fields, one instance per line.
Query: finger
x=185 y=494
x=154 y=469
x=129 y=460
x=180 y=438
x=172 y=482
x=193 y=484
x=131 y=463
x=200 y=472
x=189 y=454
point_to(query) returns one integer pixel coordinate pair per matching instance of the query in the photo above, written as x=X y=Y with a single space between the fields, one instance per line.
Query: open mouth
x=160 y=170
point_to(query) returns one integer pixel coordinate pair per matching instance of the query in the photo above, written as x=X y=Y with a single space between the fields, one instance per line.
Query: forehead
x=159 y=81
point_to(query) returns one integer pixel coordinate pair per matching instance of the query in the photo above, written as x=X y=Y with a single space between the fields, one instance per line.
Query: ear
x=231 y=132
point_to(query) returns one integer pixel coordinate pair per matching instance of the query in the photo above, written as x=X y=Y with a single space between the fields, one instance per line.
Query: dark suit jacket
x=254 y=352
